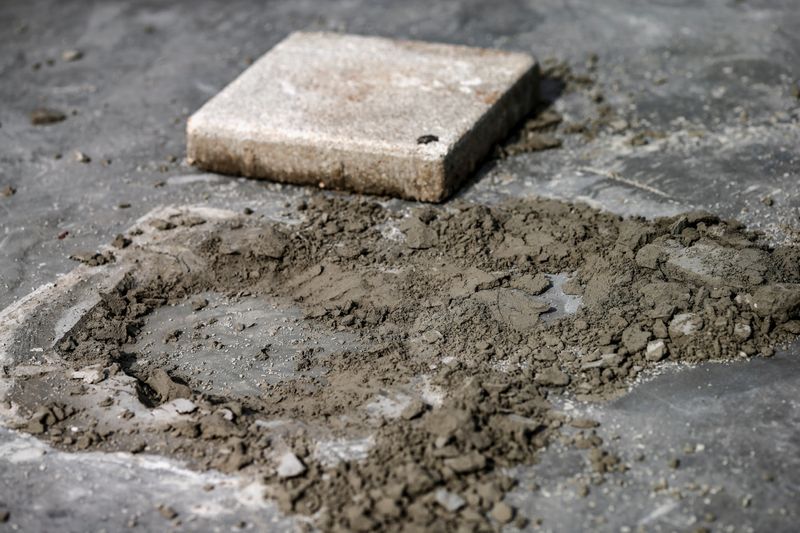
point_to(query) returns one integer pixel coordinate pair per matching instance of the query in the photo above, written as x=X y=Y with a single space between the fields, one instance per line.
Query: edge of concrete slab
x=430 y=175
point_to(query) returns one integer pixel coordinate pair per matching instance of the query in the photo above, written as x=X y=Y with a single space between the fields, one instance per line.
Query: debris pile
x=472 y=311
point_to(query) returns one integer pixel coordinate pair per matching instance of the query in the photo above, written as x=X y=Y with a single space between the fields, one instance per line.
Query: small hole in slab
x=426 y=139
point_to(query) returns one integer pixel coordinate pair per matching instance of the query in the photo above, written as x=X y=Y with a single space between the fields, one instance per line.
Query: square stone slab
x=366 y=114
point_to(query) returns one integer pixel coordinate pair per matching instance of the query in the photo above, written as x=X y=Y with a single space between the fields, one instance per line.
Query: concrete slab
x=367 y=114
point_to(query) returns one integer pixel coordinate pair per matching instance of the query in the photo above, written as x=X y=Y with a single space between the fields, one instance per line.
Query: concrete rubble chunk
x=715 y=265
x=779 y=300
x=366 y=114
x=449 y=500
x=656 y=350
x=289 y=465
x=685 y=325
x=184 y=406
x=91 y=374
x=742 y=331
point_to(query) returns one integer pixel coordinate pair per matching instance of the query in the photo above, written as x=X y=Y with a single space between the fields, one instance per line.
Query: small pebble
x=71 y=55
x=44 y=116
x=167 y=512
x=584 y=423
x=289 y=465
x=502 y=512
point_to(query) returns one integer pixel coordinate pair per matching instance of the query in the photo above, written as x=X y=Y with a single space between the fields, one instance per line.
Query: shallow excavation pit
x=208 y=336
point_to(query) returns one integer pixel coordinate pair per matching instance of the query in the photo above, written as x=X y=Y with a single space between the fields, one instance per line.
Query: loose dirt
x=479 y=315
x=44 y=116
x=545 y=128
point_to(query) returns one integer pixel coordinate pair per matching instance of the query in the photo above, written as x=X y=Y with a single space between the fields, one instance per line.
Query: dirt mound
x=469 y=318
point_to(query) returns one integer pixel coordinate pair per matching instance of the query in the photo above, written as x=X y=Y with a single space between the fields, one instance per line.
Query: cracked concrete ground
x=713 y=83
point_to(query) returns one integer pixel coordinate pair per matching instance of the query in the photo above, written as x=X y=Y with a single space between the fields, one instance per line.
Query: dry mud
x=457 y=326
